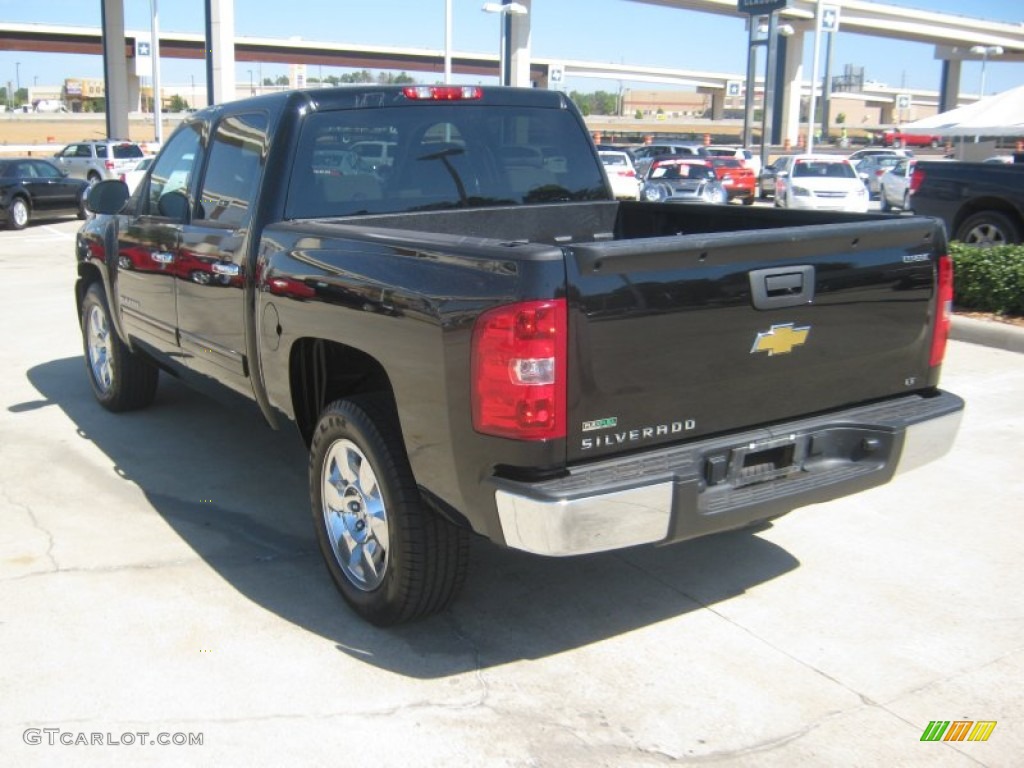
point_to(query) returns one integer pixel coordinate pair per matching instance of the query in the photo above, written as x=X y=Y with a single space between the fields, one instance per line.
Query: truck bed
x=688 y=321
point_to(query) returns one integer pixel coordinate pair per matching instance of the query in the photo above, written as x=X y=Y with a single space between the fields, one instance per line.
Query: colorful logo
x=958 y=730
x=780 y=339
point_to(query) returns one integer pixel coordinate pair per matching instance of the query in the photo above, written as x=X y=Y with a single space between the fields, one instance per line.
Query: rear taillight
x=109 y=165
x=519 y=371
x=943 y=310
x=443 y=92
x=915 y=180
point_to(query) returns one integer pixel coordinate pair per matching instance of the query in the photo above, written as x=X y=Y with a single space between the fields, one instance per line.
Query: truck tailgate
x=693 y=335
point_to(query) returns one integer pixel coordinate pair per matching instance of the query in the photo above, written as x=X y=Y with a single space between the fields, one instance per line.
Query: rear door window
x=232 y=175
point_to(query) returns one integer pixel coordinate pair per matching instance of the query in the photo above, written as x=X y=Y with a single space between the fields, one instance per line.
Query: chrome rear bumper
x=672 y=495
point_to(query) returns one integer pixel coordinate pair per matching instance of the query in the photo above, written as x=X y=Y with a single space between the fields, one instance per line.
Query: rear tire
x=392 y=558
x=18 y=213
x=988 y=228
x=121 y=380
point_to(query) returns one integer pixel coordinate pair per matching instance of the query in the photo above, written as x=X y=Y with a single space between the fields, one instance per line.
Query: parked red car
x=899 y=139
x=738 y=180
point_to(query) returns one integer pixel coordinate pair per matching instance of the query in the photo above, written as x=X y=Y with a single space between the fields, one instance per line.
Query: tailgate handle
x=782 y=287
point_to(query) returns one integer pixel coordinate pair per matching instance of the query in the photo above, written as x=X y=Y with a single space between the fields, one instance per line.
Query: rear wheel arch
x=321 y=371
x=978 y=209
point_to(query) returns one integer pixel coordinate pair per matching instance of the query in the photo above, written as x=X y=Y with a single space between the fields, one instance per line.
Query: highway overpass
x=952 y=35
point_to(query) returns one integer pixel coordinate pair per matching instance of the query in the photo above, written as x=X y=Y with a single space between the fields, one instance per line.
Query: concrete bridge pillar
x=790 y=85
x=115 y=68
x=519 y=46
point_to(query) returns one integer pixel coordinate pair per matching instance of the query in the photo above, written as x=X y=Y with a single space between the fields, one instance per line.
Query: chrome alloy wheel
x=355 y=517
x=985 y=234
x=19 y=213
x=101 y=362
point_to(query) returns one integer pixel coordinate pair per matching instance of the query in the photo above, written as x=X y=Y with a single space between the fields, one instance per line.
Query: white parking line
x=59 y=233
x=41 y=233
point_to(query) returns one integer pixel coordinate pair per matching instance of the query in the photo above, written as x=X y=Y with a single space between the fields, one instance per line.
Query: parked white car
x=621 y=174
x=134 y=176
x=894 y=186
x=821 y=183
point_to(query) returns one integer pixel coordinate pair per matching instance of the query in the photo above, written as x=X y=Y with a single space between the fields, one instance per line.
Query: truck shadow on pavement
x=235 y=492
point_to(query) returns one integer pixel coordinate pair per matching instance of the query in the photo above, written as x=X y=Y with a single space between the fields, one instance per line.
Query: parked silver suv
x=644 y=156
x=94 y=160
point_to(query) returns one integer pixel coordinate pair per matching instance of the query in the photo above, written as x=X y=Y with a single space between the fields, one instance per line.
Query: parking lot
x=163 y=602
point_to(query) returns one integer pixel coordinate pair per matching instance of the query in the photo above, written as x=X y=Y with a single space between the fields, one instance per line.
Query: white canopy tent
x=999 y=115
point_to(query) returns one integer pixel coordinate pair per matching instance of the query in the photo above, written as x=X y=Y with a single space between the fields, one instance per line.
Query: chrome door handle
x=221 y=268
x=162 y=257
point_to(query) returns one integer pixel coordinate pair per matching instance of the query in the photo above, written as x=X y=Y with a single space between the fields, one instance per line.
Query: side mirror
x=107 y=197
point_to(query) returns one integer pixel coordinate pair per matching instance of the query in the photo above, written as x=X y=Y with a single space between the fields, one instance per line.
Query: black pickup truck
x=474 y=336
x=980 y=203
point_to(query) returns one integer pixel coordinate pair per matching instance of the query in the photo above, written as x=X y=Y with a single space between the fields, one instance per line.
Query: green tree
x=362 y=76
x=281 y=80
x=599 y=103
x=177 y=104
x=390 y=78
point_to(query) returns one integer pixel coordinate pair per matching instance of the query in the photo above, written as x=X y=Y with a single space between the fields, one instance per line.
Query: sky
x=616 y=31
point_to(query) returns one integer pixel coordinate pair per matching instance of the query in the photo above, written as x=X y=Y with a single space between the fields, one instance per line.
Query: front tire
x=121 y=380
x=392 y=558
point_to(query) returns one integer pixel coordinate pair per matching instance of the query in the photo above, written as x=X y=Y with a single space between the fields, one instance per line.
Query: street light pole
x=812 y=107
x=754 y=41
x=447 y=42
x=504 y=9
x=17 y=78
x=985 y=51
x=155 y=52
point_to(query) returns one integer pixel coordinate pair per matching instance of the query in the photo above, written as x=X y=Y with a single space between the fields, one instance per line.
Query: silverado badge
x=780 y=339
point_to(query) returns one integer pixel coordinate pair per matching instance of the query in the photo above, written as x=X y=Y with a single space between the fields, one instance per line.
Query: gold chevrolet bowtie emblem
x=780 y=339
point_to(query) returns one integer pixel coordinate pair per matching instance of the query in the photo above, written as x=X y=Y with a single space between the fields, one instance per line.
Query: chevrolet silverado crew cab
x=980 y=203
x=478 y=338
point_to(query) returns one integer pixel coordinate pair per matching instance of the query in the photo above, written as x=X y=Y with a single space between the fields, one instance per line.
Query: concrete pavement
x=158 y=576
